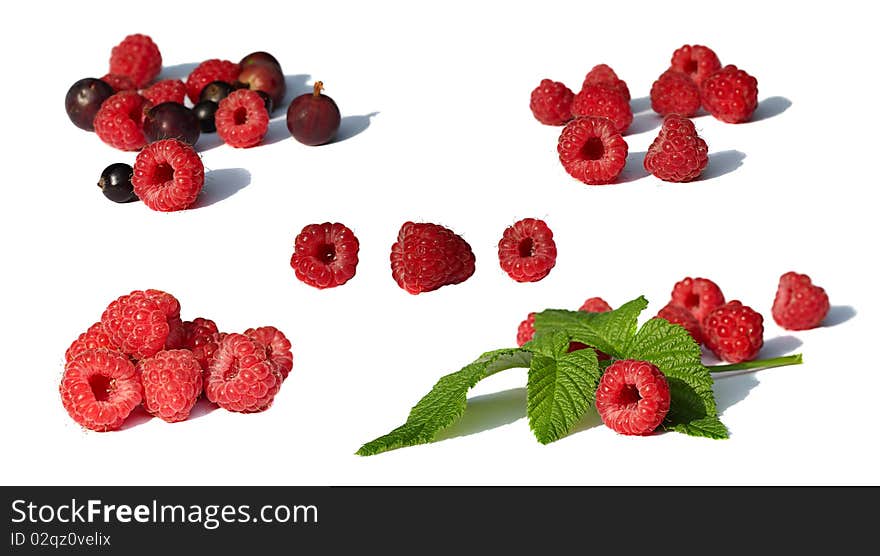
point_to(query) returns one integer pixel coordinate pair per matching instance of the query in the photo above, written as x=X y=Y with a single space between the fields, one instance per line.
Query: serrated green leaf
x=551 y=343
x=609 y=332
x=560 y=390
x=709 y=427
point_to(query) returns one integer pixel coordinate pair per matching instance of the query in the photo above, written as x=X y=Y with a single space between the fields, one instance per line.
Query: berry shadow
x=732 y=388
x=641 y=104
x=222 y=184
x=643 y=123
x=779 y=346
x=770 y=107
x=201 y=408
x=277 y=131
x=177 y=71
x=488 y=412
x=839 y=314
x=296 y=84
x=721 y=163
x=208 y=141
x=591 y=419
x=353 y=125
x=138 y=416
x=634 y=169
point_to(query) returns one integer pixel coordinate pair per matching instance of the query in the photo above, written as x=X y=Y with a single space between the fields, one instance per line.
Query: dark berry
x=216 y=91
x=313 y=118
x=83 y=100
x=204 y=113
x=267 y=100
x=171 y=120
x=115 y=183
x=259 y=59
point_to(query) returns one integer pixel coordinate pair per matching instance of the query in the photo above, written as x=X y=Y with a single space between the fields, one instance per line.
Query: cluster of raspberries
x=141 y=352
x=591 y=146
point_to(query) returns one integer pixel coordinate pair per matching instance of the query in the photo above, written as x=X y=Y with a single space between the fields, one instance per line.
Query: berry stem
x=319 y=85
x=795 y=359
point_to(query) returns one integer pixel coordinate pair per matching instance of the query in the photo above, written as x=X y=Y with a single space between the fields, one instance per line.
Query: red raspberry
x=595 y=305
x=200 y=336
x=602 y=74
x=591 y=150
x=526 y=330
x=93 y=338
x=138 y=57
x=325 y=255
x=677 y=154
x=208 y=71
x=241 y=377
x=676 y=314
x=100 y=388
x=242 y=119
x=168 y=175
x=675 y=93
x=697 y=61
x=277 y=347
x=172 y=383
x=602 y=100
x=700 y=296
x=527 y=251
x=426 y=257
x=119 y=122
x=730 y=94
x=551 y=102
x=633 y=397
x=119 y=82
x=799 y=304
x=143 y=323
x=167 y=90
x=734 y=332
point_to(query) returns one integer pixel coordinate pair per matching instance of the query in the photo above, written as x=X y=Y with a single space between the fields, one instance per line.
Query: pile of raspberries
x=141 y=352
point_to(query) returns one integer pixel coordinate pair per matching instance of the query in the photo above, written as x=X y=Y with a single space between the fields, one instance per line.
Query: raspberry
x=676 y=314
x=172 y=383
x=602 y=74
x=241 y=376
x=100 y=388
x=208 y=71
x=551 y=102
x=119 y=82
x=604 y=101
x=734 y=332
x=277 y=347
x=143 y=323
x=325 y=255
x=138 y=57
x=526 y=330
x=200 y=336
x=595 y=305
x=242 y=119
x=93 y=338
x=799 y=304
x=591 y=150
x=696 y=61
x=677 y=154
x=119 y=122
x=675 y=93
x=168 y=175
x=167 y=90
x=426 y=257
x=700 y=296
x=527 y=251
x=730 y=94
x=632 y=397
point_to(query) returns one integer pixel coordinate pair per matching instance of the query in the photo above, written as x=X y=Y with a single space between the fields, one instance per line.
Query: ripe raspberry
x=633 y=397
x=603 y=101
x=677 y=154
x=167 y=90
x=602 y=74
x=551 y=102
x=734 y=332
x=200 y=336
x=241 y=377
x=799 y=304
x=93 y=338
x=697 y=61
x=100 y=388
x=144 y=322
x=527 y=251
x=242 y=119
x=526 y=330
x=595 y=305
x=119 y=122
x=675 y=93
x=277 y=347
x=172 y=383
x=676 y=314
x=138 y=57
x=325 y=255
x=208 y=71
x=730 y=94
x=700 y=296
x=168 y=175
x=119 y=82
x=591 y=150
x=426 y=257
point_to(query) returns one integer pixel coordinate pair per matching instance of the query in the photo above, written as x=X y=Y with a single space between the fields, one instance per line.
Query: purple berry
x=83 y=100
x=313 y=118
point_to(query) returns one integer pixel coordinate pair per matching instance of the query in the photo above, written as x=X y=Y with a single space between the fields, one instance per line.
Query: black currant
x=267 y=100
x=171 y=120
x=115 y=183
x=216 y=91
x=204 y=113
x=83 y=100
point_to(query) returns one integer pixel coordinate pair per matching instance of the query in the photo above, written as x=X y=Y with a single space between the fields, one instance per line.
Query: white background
x=444 y=90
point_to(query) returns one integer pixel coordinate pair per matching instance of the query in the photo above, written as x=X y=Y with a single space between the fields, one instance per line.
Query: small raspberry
x=603 y=101
x=700 y=296
x=602 y=74
x=591 y=150
x=167 y=90
x=325 y=255
x=527 y=251
x=142 y=323
x=734 y=332
x=426 y=257
x=633 y=397
x=730 y=94
x=526 y=330
x=241 y=377
x=119 y=82
x=277 y=347
x=138 y=57
x=676 y=314
x=100 y=388
x=119 y=122
x=677 y=154
x=799 y=304
x=242 y=119
x=595 y=305
x=551 y=102
x=208 y=71
x=93 y=338
x=675 y=92
x=168 y=175
x=697 y=61
x=200 y=336
x=172 y=383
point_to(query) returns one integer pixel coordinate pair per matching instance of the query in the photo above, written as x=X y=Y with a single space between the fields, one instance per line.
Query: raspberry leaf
x=551 y=343
x=609 y=332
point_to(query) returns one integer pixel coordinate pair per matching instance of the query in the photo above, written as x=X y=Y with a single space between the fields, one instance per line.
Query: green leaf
x=560 y=390
x=551 y=343
x=609 y=332
x=446 y=402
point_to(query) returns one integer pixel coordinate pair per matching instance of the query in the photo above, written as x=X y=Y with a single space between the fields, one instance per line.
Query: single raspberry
x=527 y=251
x=730 y=94
x=526 y=330
x=602 y=74
x=700 y=296
x=242 y=119
x=799 y=304
x=100 y=388
x=96 y=337
x=167 y=90
x=551 y=102
x=677 y=154
x=144 y=322
x=426 y=257
x=675 y=92
x=633 y=397
x=603 y=101
x=168 y=175
x=325 y=255
x=138 y=57
x=241 y=377
x=119 y=122
x=696 y=61
x=595 y=305
x=277 y=347
x=119 y=82
x=172 y=383
x=200 y=336
x=591 y=150
x=676 y=314
x=208 y=71
x=734 y=332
